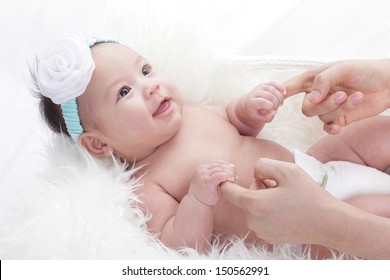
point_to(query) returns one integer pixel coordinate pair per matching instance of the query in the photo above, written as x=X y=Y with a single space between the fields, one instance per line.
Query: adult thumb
x=275 y=170
x=323 y=83
x=236 y=194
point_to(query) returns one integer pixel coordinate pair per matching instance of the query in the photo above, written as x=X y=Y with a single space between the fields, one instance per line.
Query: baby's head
x=107 y=97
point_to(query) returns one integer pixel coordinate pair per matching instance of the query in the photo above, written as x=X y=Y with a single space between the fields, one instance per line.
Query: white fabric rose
x=65 y=69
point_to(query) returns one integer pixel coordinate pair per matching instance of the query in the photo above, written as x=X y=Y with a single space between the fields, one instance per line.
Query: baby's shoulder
x=162 y=186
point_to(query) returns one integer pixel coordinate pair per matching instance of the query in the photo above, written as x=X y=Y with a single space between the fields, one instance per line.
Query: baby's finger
x=220 y=164
x=276 y=91
x=264 y=111
x=270 y=92
x=265 y=104
x=279 y=87
x=222 y=171
x=268 y=117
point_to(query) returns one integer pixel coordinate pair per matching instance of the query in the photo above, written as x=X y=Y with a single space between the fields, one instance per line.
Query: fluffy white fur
x=75 y=207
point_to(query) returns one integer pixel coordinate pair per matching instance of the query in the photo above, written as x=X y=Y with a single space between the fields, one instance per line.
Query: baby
x=111 y=100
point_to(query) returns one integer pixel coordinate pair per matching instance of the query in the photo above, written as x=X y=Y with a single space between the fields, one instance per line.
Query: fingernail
x=356 y=99
x=315 y=95
x=340 y=98
x=333 y=128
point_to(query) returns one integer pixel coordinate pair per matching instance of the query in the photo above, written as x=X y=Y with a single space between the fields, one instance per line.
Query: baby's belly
x=229 y=220
x=251 y=150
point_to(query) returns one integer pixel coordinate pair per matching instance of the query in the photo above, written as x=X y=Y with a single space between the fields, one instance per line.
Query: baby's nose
x=151 y=89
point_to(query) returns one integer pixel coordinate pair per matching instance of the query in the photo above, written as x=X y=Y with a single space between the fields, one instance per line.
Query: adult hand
x=288 y=213
x=298 y=210
x=344 y=91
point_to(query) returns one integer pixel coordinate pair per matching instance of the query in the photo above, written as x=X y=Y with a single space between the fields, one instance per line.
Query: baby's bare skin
x=205 y=135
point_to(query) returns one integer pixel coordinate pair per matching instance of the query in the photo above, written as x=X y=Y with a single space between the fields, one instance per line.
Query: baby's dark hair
x=50 y=112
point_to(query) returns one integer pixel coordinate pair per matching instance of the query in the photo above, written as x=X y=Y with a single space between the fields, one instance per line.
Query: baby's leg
x=374 y=204
x=364 y=142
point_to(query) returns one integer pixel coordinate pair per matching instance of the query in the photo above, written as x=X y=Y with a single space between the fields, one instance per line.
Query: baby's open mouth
x=163 y=109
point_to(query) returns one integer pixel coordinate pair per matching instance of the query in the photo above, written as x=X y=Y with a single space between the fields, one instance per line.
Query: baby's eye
x=146 y=69
x=124 y=91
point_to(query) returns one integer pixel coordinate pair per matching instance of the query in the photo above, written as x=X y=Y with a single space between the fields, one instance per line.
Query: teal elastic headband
x=71 y=117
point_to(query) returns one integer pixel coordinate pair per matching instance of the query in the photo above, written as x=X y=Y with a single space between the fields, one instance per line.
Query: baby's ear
x=94 y=145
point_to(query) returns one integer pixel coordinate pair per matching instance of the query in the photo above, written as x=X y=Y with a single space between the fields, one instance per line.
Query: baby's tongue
x=163 y=106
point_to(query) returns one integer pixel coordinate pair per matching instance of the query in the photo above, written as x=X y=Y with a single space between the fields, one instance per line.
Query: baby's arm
x=250 y=112
x=189 y=222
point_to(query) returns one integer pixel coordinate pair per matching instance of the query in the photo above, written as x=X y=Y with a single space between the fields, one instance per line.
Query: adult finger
x=296 y=85
x=324 y=81
x=330 y=104
x=332 y=128
x=236 y=194
x=302 y=82
x=270 y=169
x=341 y=111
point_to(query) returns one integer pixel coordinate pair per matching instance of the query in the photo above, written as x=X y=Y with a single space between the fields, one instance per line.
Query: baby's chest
x=176 y=171
x=204 y=142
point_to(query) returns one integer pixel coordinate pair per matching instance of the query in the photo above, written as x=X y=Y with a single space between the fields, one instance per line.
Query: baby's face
x=129 y=105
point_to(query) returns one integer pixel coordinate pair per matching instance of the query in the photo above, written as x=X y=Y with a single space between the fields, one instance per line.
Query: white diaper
x=344 y=179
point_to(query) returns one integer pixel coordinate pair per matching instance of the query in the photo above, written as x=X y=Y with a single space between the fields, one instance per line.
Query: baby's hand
x=205 y=184
x=263 y=101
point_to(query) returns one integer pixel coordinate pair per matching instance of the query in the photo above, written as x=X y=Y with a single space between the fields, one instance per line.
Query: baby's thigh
x=334 y=148
x=364 y=142
x=370 y=139
x=374 y=204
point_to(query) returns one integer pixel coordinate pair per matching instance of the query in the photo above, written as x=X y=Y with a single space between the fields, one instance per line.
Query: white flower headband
x=64 y=72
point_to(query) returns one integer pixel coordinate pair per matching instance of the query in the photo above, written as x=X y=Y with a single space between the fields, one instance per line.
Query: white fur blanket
x=56 y=202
